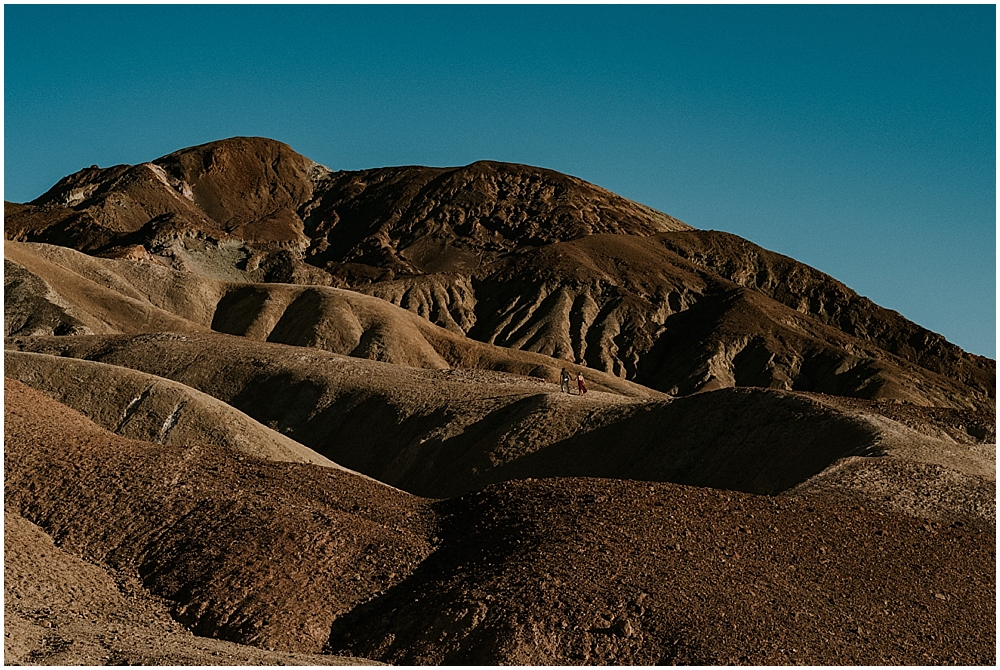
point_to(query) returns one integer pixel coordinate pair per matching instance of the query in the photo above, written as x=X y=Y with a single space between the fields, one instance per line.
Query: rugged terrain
x=276 y=554
x=261 y=412
x=511 y=255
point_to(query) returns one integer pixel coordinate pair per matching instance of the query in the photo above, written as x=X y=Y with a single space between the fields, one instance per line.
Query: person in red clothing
x=580 y=383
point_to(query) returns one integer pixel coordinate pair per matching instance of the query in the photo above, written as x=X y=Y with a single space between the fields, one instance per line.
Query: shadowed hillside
x=301 y=557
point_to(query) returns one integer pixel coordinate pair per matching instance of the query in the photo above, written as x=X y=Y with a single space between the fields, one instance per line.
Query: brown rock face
x=516 y=256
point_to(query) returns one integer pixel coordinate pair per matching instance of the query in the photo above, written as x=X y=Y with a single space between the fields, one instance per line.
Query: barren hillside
x=258 y=411
x=516 y=573
x=521 y=257
x=442 y=433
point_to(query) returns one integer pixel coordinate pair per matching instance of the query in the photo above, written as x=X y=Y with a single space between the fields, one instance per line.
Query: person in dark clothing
x=580 y=383
x=564 y=381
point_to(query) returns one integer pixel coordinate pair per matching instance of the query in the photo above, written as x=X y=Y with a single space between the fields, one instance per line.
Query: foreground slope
x=617 y=572
x=203 y=526
x=61 y=610
x=301 y=557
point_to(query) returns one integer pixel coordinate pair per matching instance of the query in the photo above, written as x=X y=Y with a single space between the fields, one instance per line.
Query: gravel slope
x=304 y=558
x=61 y=610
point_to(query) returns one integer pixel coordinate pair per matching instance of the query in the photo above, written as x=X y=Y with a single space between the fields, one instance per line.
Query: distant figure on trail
x=579 y=382
x=564 y=381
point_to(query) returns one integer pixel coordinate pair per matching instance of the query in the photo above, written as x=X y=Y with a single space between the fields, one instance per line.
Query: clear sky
x=858 y=139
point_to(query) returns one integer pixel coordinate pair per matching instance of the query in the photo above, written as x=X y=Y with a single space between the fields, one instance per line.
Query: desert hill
x=255 y=192
x=511 y=255
x=728 y=335
x=283 y=555
x=442 y=433
x=259 y=411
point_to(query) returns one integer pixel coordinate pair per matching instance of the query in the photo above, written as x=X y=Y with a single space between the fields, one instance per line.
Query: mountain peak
x=407 y=220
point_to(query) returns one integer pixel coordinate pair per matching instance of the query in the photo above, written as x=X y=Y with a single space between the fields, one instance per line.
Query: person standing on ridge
x=564 y=381
x=580 y=383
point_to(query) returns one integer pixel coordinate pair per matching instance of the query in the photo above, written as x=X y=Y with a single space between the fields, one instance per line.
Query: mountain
x=258 y=411
x=515 y=256
x=250 y=198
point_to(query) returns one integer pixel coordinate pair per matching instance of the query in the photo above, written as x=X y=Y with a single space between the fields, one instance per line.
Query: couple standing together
x=564 y=386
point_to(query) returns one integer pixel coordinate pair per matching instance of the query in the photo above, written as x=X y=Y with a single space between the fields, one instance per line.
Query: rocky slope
x=301 y=557
x=511 y=255
x=61 y=610
x=639 y=309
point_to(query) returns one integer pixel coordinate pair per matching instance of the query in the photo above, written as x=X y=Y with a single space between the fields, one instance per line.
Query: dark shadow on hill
x=755 y=441
x=460 y=607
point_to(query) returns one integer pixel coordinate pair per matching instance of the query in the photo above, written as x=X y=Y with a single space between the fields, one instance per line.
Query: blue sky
x=858 y=139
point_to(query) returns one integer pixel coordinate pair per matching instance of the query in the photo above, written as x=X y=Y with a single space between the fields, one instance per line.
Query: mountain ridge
x=261 y=191
x=507 y=254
